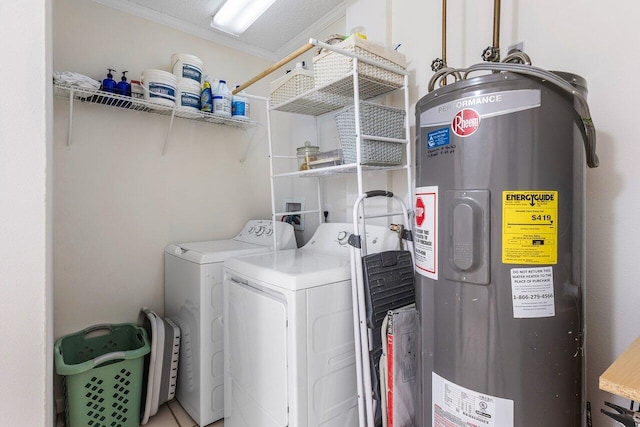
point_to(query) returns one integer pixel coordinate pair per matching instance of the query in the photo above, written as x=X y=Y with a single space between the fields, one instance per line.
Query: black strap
x=378 y=193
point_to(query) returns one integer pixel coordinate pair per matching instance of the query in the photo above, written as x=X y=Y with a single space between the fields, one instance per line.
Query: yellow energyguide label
x=530 y=227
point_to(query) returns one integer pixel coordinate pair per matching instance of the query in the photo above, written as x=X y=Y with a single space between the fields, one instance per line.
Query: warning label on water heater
x=532 y=290
x=529 y=227
x=426 y=239
x=456 y=406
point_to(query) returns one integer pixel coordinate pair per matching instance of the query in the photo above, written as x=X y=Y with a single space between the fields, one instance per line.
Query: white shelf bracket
x=245 y=152
x=166 y=139
x=70 y=125
x=252 y=134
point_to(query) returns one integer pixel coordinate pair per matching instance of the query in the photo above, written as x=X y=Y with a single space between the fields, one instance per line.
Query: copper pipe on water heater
x=490 y=54
x=496 y=30
x=444 y=33
x=496 y=25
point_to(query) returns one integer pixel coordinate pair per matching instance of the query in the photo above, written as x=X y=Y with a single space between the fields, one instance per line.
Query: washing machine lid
x=213 y=251
x=291 y=270
x=256 y=236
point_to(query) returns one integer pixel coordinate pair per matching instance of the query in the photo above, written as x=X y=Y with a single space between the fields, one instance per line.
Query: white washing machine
x=288 y=331
x=193 y=300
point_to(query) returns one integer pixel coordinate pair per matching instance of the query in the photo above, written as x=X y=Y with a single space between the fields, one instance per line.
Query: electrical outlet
x=518 y=46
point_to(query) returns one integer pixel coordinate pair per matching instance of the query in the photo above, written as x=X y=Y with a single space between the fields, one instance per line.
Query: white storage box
x=375 y=120
x=330 y=66
x=290 y=85
x=326 y=159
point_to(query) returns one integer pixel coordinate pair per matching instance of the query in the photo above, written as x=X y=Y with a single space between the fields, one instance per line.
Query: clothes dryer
x=288 y=322
x=193 y=300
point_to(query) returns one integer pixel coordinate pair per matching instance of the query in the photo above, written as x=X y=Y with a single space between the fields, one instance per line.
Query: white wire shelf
x=349 y=168
x=335 y=95
x=113 y=100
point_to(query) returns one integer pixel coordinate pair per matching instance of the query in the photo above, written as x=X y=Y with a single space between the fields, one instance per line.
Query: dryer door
x=256 y=360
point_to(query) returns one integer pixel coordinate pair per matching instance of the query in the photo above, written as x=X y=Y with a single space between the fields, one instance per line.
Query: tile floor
x=171 y=414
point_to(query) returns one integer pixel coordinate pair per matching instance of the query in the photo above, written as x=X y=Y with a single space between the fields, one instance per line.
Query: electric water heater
x=499 y=245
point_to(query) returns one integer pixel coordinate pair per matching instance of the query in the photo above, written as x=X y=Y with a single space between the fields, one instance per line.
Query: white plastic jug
x=221 y=99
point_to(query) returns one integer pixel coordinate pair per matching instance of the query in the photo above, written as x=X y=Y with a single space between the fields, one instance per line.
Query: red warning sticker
x=419 y=211
x=466 y=122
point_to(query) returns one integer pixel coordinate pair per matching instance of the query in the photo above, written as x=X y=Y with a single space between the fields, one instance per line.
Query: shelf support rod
x=271 y=180
x=70 y=126
x=362 y=363
x=274 y=67
x=166 y=139
x=408 y=157
x=320 y=206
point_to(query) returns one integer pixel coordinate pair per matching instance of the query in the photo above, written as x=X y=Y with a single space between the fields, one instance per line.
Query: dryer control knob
x=259 y=231
x=268 y=231
x=343 y=237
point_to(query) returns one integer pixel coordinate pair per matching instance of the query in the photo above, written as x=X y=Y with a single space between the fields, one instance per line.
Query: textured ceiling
x=282 y=22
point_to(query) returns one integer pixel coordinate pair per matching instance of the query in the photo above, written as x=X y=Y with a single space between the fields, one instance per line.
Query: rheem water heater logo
x=465 y=122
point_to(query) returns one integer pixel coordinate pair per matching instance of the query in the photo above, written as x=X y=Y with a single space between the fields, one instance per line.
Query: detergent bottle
x=206 y=96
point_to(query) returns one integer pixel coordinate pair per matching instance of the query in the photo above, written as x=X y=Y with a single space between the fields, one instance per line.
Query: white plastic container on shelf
x=188 y=95
x=221 y=99
x=187 y=66
x=137 y=91
x=159 y=87
x=240 y=105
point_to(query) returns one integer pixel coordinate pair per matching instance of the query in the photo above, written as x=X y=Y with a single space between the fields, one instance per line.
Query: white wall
x=597 y=41
x=577 y=34
x=118 y=200
x=25 y=218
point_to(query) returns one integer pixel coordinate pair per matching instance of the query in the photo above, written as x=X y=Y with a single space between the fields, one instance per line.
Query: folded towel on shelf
x=75 y=79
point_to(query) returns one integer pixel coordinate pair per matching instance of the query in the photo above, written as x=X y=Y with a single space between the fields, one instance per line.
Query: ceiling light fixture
x=238 y=15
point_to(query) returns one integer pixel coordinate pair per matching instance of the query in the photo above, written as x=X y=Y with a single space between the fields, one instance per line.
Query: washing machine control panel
x=260 y=232
x=334 y=237
x=257 y=228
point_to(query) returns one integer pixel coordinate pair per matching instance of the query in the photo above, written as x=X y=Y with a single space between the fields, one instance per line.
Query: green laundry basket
x=103 y=368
